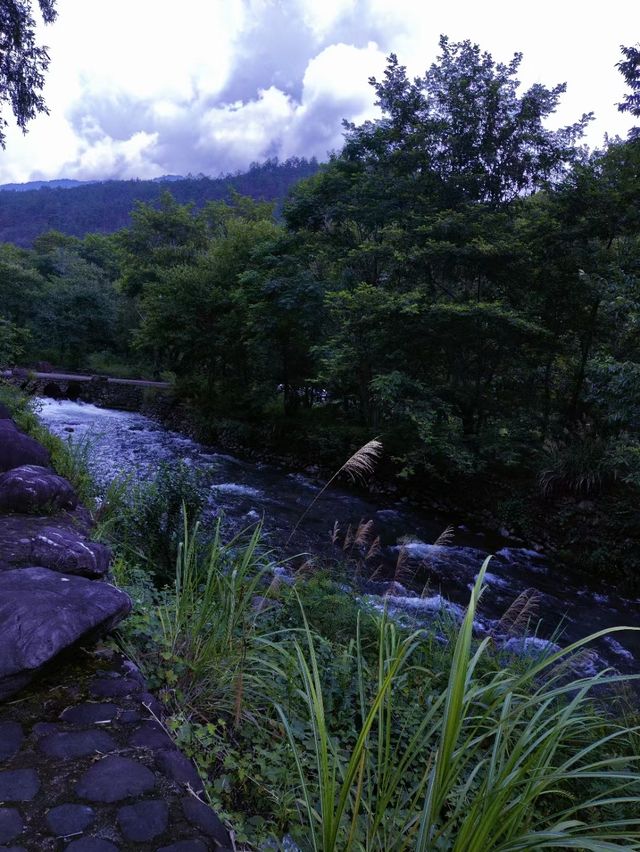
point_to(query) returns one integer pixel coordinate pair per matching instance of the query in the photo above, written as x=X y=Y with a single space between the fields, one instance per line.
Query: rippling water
x=247 y=491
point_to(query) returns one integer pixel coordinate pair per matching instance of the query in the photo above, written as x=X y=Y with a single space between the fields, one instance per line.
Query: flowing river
x=568 y=608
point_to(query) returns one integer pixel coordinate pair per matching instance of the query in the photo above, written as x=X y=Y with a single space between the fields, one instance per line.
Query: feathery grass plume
x=445 y=538
x=364 y=533
x=518 y=616
x=403 y=572
x=358 y=467
x=348 y=538
x=334 y=534
x=307 y=569
x=375 y=549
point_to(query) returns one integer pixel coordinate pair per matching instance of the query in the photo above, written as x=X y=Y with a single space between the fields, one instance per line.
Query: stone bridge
x=125 y=394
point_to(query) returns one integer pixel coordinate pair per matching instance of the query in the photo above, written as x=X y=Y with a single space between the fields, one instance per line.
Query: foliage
x=22 y=61
x=145 y=519
x=69 y=458
x=355 y=734
x=629 y=67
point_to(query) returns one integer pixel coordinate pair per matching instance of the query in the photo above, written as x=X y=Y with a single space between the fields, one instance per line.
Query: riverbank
x=266 y=675
x=599 y=537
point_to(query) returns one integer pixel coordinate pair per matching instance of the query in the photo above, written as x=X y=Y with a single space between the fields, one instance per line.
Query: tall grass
x=506 y=761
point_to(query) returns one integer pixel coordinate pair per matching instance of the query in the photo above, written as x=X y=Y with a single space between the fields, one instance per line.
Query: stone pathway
x=85 y=763
x=85 y=766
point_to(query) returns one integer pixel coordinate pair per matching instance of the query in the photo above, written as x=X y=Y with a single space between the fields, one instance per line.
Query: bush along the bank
x=316 y=719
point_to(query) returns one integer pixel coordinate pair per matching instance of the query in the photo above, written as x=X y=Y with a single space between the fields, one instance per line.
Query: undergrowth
x=312 y=717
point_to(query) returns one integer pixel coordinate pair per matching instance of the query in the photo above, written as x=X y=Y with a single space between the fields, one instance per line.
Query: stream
x=246 y=491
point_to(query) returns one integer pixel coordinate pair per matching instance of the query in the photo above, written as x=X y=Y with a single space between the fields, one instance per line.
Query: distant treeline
x=105 y=207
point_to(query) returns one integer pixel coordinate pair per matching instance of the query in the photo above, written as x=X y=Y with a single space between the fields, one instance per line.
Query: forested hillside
x=104 y=207
x=459 y=280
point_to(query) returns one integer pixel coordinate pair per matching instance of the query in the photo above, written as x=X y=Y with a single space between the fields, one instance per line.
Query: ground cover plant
x=334 y=726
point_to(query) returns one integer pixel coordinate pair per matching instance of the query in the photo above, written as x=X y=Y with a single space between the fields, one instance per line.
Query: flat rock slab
x=43 y=612
x=65 y=820
x=30 y=488
x=11 y=824
x=70 y=744
x=11 y=737
x=115 y=778
x=143 y=821
x=17 y=449
x=53 y=543
x=18 y=785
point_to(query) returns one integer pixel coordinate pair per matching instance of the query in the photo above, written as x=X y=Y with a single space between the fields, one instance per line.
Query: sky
x=142 y=88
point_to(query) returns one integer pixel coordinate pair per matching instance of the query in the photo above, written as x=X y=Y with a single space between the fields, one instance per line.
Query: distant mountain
x=64 y=183
x=83 y=207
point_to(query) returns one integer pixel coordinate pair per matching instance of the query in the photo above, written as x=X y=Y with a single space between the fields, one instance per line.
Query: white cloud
x=147 y=87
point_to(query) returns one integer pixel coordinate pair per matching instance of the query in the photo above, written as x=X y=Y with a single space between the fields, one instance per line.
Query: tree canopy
x=23 y=63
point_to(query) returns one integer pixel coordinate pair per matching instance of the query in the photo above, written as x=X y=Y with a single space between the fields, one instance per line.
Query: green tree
x=23 y=63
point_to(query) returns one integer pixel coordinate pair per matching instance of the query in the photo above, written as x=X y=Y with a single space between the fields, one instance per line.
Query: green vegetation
x=314 y=716
x=69 y=458
x=459 y=280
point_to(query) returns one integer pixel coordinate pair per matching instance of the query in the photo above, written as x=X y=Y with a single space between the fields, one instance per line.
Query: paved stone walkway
x=86 y=767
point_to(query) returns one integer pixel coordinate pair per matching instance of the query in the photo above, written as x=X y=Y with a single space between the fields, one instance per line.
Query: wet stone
x=204 y=818
x=129 y=716
x=91 y=844
x=151 y=704
x=185 y=846
x=150 y=735
x=90 y=714
x=114 y=687
x=143 y=821
x=179 y=768
x=11 y=737
x=69 y=819
x=115 y=778
x=11 y=824
x=41 y=729
x=68 y=744
x=18 y=785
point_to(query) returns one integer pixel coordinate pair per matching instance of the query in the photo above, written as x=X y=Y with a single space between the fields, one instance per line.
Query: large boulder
x=53 y=543
x=31 y=488
x=17 y=449
x=43 y=612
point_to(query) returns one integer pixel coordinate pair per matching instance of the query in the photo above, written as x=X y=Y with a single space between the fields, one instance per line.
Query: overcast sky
x=140 y=88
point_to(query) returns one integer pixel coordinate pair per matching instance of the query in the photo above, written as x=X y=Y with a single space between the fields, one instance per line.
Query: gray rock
x=69 y=819
x=115 y=778
x=70 y=744
x=89 y=713
x=42 y=613
x=91 y=844
x=11 y=824
x=179 y=768
x=201 y=815
x=143 y=821
x=18 y=785
x=17 y=449
x=49 y=543
x=11 y=737
x=185 y=846
x=31 y=489
x=114 y=687
x=150 y=735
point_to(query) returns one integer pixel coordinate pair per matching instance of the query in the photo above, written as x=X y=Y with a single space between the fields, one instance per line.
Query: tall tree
x=22 y=61
x=629 y=67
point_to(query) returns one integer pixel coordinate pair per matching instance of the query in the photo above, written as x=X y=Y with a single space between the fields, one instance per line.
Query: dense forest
x=78 y=209
x=459 y=280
